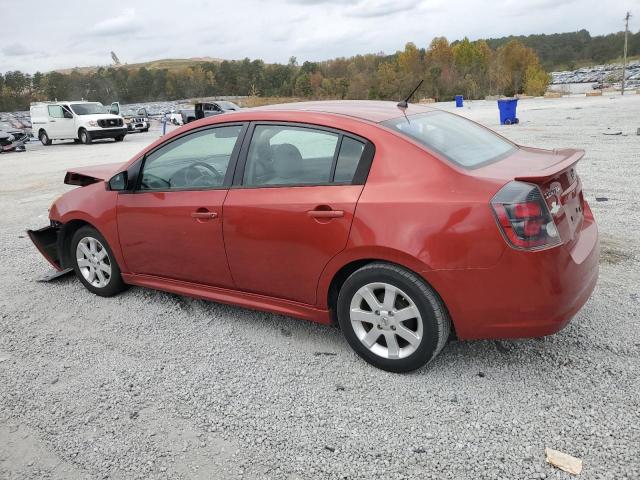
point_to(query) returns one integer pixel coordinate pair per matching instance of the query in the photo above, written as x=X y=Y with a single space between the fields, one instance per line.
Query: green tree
x=303 y=86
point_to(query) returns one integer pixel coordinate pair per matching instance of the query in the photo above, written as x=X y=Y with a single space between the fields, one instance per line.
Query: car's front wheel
x=119 y=138
x=44 y=138
x=392 y=318
x=94 y=263
x=85 y=137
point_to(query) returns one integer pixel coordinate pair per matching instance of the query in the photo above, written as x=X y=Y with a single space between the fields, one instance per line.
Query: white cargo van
x=82 y=122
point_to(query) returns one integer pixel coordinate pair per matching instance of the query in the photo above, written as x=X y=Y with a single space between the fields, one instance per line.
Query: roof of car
x=371 y=110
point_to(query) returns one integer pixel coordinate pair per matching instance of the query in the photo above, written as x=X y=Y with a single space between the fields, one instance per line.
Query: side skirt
x=231 y=297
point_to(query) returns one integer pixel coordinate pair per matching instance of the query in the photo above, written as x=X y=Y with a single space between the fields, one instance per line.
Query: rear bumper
x=108 y=132
x=46 y=241
x=527 y=294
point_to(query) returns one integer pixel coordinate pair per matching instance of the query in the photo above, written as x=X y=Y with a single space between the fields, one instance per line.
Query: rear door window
x=282 y=155
x=287 y=155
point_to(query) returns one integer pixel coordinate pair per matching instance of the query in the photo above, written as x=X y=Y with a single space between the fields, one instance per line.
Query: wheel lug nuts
x=377 y=312
x=393 y=327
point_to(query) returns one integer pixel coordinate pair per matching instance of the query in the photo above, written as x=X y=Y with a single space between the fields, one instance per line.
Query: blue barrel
x=459 y=101
x=507 y=107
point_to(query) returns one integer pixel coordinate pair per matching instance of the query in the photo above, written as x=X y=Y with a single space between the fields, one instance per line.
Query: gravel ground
x=152 y=385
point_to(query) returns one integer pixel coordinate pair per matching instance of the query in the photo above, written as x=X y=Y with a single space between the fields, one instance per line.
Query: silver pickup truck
x=207 y=109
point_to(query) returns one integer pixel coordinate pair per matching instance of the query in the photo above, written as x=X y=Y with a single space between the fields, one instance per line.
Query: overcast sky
x=52 y=34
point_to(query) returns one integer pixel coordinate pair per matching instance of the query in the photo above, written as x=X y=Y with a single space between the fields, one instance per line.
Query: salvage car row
x=83 y=121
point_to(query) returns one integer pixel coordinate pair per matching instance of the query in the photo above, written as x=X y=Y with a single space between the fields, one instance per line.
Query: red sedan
x=406 y=225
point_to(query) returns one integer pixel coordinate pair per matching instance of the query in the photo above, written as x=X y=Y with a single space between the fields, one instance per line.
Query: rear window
x=456 y=138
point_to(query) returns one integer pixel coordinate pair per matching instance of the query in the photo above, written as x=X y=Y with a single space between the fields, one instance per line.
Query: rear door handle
x=204 y=215
x=326 y=213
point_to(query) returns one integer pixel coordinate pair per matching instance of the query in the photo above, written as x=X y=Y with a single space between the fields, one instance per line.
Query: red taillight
x=524 y=218
x=528 y=209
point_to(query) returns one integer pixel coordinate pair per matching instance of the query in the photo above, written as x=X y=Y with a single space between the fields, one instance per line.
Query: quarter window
x=283 y=155
x=348 y=160
x=196 y=161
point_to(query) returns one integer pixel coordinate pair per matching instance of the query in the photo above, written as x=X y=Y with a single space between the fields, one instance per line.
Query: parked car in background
x=82 y=122
x=404 y=224
x=22 y=124
x=137 y=120
x=207 y=109
x=12 y=138
x=174 y=116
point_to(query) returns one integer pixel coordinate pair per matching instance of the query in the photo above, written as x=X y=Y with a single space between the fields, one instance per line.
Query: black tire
x=84 y=136
x=76 y=140
x=436 y=323
x=44 y=138
x=145 y=129
x=115 y=284
x=119 y=138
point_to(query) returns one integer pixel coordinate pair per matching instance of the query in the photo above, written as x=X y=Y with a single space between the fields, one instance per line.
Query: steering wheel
x=197 y=174
x=151 y=181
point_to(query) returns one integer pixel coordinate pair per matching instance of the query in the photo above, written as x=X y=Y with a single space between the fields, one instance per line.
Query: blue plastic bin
x=507 y=107
x=459 y=101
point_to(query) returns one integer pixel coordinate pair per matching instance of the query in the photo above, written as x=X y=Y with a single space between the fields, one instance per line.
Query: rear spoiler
x=570 y=156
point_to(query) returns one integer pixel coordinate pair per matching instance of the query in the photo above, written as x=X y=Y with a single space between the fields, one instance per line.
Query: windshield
x=88 y=108
x=458 y=139
x=228 y=106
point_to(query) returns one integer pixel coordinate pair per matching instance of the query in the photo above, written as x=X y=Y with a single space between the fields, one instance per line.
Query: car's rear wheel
x=94 y=263
x=44 y=138
x=119 y=138
x=392 y=318
x=84 y=136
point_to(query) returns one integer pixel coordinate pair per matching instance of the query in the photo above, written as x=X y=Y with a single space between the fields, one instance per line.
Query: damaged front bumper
x=13 y=143
x=47 y=240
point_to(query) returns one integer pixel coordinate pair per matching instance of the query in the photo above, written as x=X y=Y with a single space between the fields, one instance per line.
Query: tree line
x=568 y=51
x=474 y=69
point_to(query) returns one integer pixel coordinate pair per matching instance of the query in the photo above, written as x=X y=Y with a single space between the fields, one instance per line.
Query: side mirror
x=118 y=182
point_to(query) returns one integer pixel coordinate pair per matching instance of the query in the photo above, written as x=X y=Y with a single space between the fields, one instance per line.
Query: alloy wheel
x=94 y=262
x=386 y=320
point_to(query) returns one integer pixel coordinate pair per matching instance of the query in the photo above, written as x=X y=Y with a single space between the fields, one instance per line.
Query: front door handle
x=326 y=213
x=204 y=215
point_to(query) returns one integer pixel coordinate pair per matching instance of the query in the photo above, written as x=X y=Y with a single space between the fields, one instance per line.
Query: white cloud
x=122 y=24
x=380 y=8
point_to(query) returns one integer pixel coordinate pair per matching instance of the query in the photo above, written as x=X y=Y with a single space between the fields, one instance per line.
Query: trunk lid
x=554 y=172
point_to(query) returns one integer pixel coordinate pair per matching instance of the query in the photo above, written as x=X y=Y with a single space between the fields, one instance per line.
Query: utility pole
x=624 y=61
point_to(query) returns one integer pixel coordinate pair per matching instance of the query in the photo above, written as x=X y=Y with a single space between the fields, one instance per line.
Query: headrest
x=287 y=160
